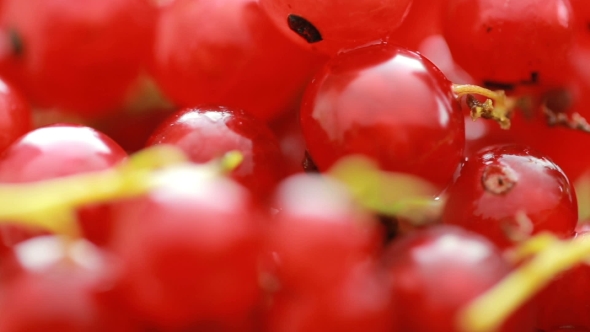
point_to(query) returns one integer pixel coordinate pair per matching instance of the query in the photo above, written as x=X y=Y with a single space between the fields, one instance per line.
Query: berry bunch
x=276 y=165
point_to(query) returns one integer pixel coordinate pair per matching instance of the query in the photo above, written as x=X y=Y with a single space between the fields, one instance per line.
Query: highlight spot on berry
x=304 y=28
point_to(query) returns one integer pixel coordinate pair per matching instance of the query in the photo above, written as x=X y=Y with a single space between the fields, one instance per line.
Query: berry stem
x=575 y=121
x=490 y=310
x=496 y=107
x=388 y=193
x=51 y=204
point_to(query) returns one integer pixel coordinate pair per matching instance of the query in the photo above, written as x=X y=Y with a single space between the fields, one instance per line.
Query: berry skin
x=208 y=132
x=15 y=115
x=82 y=57
x=232 y=56
x=510 y=44
x=437 y=271
x=333 y=26
x=56 y=151
x=566 y=301
x=323 y=247
x=424 y=19
x=509 y=192
x=389 y=104
x=189 y=251
x=55 y=291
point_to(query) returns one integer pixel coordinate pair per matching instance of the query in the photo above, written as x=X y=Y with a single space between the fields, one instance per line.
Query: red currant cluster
x=287 y=166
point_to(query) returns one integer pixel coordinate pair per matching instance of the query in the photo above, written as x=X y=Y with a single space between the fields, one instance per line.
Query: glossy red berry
x=438 y=271
x=424 y=19
x=389 y=104
x=208 y=132
x=56 y=151
x=331 y=26
x=565 y=302
x=510 y=45
x=319 y=232
x=55 y=292
x=15 y=115
x=232 y=56
x=509 y=192
x=79 y=56
x=322 y=247
x=189 y=253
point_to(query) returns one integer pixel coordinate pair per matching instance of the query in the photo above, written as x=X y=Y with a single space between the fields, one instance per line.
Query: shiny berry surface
x=510 y=44
x=15 y=115
x=387 y=103
x=232 y=56
x=435 y=272
x=79 y=56
x=55 y=291
x=319 y=232
x=508 y=192
x=208 y=132
x=189 y=253
x=56 y=151
x=566 y=301
x=333 y=26
x=322 y=247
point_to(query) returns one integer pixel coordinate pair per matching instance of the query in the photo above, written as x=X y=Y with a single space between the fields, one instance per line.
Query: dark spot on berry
x=559 y=100
x=16 y=42
x=304 y=28
x=308 y=164
x=499 y=85
x=489 y=29
x=498 y=179
x=390 y=226
x=534 y=79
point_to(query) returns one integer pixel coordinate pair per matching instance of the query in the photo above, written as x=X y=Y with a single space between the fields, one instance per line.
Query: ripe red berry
x=55 y=292
x=509 y=192
x=438 y=271
x=323 y=249
x=208 y=132
x=510 y=45
x=189 y=252
x=56 y=151
x=80 y=56
x=332 y=26
x=227 y=52
x=387 y=103
x=15 y=115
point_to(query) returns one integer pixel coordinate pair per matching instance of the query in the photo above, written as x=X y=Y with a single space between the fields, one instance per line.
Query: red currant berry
x=57 y=151
x=56 y=290
x=189 y=252
x=208 y=132
x=15 y=115
x=438 y=271
x=566 y=301
x=79 y=56
x=319 y=232
x=424 y=19
x=232 y=56
x=387 y=103
x=332 y=26
x=487 y=39
x=323 y=249
x=509 y=192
